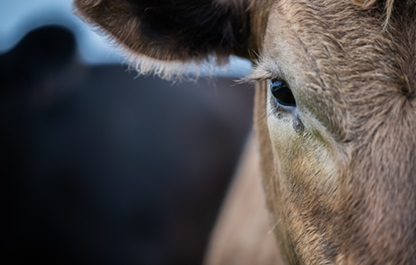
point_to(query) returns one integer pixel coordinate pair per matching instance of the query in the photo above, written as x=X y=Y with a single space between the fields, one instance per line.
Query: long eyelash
x=259 y=73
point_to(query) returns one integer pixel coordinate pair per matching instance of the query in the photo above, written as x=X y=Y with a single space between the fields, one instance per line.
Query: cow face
x=337 y=120
x=335 y=109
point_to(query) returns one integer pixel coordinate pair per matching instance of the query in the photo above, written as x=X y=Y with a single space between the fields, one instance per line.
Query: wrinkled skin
x=338 y=168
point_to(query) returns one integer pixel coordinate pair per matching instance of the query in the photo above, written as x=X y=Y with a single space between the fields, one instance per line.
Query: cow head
x=335 y=109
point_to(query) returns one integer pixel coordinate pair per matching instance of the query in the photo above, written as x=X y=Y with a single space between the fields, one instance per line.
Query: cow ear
x=172 y=30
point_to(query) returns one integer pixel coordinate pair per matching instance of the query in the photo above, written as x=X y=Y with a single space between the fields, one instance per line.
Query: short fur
x=160 y=36
x=338 y=171
x=369 y=4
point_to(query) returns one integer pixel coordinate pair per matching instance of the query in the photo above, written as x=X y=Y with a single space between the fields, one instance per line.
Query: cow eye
x=282 y=93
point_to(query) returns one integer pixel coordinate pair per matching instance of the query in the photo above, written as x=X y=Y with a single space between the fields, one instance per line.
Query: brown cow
x=335 y=118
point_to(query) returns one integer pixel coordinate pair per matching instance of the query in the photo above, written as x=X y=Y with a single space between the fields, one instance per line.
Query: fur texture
x=346 y=182
x=178 y=33
x=338 y=170
x=369 y=4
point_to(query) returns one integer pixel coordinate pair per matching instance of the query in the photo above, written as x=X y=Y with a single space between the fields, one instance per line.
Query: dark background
x=99 y=166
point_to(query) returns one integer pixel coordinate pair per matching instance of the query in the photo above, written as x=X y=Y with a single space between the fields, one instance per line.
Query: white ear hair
x=170 y=70
x=173 y=70
x=175 y=45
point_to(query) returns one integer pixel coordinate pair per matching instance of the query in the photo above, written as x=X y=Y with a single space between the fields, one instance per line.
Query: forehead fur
x=368 y=4
x=334 y=52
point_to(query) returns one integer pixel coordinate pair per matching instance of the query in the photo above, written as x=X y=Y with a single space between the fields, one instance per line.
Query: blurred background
x=98 y=165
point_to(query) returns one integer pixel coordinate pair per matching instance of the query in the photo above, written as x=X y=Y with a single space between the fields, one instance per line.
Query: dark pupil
x=282 y=93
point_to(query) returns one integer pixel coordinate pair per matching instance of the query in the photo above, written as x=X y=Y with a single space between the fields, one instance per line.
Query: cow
x=335 y=119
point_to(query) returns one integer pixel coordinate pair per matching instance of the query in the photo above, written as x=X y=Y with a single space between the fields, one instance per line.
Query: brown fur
x=368 y=4
x=161 y=30
x=342 y=188
x=246 y=196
